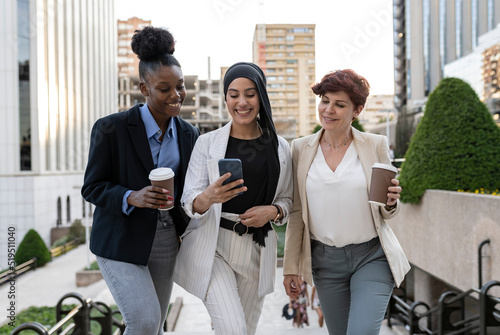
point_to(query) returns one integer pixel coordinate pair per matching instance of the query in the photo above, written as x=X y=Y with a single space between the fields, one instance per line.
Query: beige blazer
x=195 y=260
x=371 y=148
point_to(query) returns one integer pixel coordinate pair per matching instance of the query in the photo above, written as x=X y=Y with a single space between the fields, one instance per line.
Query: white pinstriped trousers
x=232 y=298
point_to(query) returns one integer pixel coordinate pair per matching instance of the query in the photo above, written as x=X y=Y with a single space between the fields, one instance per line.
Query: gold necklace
x=337 y=146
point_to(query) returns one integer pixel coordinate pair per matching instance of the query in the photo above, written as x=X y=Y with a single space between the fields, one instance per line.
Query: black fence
x=78 y=319
x=450 y=313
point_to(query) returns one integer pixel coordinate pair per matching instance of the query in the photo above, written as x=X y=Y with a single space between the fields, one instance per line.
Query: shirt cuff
x=126 y=208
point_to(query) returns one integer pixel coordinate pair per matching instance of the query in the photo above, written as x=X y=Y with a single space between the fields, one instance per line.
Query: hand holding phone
x=232 y=165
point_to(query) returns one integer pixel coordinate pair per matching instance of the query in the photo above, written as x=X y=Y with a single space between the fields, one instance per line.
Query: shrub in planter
x=455 y=145
x=77 y=231
x=31 y=246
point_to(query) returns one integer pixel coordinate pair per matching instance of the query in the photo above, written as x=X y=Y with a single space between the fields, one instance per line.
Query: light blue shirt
x=164 y=153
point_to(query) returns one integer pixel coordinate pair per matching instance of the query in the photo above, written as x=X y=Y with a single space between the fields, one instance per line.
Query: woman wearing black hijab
x=228 y=253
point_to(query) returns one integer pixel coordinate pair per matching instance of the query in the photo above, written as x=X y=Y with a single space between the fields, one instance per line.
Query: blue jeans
x=142 y=293
x=354 y=285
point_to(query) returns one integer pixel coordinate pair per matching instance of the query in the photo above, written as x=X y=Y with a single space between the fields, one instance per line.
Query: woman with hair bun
x=134 y=242
x=335 y=236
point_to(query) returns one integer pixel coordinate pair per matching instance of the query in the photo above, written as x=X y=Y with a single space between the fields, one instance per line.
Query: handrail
x=80 y=317
x=9 y=275
x=58 y=251
x=488 y=316
x=480 y=260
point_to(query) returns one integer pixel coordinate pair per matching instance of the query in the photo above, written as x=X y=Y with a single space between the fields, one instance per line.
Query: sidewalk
x=46 y=285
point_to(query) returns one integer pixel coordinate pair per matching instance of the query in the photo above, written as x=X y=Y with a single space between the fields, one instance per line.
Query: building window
x=300 y=30
x=59 y=212
x=83 y=208
x=427 y=45
x=491 y=14
x=475 y=22
x=68 y=209
x=458 y=27
x=23 y=54
x=408 y=46
x=442 y=33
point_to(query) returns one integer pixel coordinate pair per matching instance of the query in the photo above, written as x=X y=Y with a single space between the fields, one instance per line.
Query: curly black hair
x=154 y=47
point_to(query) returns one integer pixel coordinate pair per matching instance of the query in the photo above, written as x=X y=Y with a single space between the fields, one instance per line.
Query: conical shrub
x=455 y=146
x=31 y=246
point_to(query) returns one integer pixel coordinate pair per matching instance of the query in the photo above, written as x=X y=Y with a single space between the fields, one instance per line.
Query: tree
x=357 y=125
x=455 y=146
x=31 y=246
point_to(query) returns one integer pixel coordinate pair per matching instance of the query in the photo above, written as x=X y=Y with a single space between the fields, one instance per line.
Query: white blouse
x=339 y=212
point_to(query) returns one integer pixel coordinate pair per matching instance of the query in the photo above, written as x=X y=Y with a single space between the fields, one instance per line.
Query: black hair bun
x=151 y=43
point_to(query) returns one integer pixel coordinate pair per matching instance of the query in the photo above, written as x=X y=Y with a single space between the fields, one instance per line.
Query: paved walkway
x=46 y=285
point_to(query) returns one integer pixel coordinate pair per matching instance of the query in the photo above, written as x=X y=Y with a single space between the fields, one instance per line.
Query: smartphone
x=232 y=165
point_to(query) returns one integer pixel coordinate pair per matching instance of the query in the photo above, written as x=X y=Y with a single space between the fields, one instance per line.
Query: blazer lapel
x=306 y=158
x=217 y=151
x=139 y=138
x=366 y=154
x=184 y=138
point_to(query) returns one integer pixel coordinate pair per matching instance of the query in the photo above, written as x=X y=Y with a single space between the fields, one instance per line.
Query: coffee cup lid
x=161 y=173
x=385 y=166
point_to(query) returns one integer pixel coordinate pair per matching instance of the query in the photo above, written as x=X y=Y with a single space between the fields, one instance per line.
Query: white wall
x=441 y=236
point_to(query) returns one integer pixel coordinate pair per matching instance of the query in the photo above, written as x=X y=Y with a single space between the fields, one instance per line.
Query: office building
x=286 y=53
x=59 y=75
x=429 y=35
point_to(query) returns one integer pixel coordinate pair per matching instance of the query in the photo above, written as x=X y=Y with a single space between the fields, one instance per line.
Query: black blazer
x=120 y=160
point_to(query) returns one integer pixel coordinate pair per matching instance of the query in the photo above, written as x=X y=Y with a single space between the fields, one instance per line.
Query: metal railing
x=450 y=313
x=450 y=310
x=77 y=320
x=10 y=275
x=58 y=251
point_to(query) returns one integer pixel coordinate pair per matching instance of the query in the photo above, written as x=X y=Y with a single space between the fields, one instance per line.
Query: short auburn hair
x=356 y=86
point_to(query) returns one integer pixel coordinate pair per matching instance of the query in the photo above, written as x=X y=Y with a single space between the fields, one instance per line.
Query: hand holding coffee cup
x=164 y=178
x=382 y=175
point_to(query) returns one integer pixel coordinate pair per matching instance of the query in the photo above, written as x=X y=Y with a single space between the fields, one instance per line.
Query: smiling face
x=242 y=101
x=165 y=92
x=336 y=111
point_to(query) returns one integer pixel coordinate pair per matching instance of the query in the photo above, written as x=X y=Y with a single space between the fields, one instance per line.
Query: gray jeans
x=354 y=284
x=142 y=293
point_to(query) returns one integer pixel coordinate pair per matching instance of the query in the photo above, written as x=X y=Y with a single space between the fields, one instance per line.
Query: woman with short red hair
x=334 y=235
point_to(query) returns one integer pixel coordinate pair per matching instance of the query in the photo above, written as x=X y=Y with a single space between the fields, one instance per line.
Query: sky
x=355 y=34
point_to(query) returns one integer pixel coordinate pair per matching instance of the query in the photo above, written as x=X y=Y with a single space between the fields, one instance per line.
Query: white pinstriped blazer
x=197 y=252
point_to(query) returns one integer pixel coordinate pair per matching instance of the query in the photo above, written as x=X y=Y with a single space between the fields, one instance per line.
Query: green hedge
x=31 y=246
x=47 y=317
x=455 y=146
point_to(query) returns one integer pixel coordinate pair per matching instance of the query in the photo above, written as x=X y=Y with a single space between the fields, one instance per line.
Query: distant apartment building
x=204 y=103
x=58 y=77
x=286 y=53
x=380 y=117
x=128 y=63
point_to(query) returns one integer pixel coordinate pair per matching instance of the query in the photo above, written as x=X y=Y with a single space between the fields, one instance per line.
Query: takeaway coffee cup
x=163 y=177
x=381 y=180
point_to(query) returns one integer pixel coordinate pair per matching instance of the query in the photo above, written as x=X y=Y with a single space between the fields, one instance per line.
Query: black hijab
x=255 y=74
